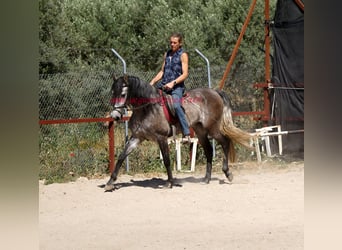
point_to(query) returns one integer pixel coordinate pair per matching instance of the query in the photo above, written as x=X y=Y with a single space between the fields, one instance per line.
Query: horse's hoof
x=109 y=187
x=206 y=180
x=230 y=176
x=168 y=185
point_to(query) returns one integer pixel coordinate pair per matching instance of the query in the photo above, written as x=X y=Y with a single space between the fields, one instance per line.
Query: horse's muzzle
x=116 y=115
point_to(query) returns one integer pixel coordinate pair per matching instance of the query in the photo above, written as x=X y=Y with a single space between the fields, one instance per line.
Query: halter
x=118 y=111
x=123 y=96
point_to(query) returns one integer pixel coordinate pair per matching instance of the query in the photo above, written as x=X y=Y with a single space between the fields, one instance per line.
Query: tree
x=78 y=34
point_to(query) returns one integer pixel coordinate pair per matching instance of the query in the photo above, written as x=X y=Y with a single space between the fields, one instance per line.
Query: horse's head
x=119 y=92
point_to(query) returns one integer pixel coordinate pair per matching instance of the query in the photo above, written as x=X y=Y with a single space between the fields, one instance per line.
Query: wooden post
x=232 y=57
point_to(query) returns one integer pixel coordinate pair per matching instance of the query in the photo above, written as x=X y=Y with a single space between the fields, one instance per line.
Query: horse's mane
x=140 y=88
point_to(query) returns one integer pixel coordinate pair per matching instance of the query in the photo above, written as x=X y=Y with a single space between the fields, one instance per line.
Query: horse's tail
x=227 y=127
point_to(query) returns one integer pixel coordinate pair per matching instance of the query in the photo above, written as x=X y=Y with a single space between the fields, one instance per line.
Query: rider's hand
x=169 y=85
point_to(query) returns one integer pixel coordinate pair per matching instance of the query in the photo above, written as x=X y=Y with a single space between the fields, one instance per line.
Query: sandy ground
x=262 y=209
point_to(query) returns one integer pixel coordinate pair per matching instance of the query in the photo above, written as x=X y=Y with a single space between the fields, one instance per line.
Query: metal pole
x=208 y=66
x=126 y=122
x=209 y=84
x=122 y=60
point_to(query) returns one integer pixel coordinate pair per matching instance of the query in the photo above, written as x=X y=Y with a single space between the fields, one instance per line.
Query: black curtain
x=287 y=96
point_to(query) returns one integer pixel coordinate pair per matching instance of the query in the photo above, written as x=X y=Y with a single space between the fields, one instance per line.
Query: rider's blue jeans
x=177 y=95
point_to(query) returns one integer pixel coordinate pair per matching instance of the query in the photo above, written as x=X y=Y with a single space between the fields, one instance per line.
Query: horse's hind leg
x=226 y=171
x=208 y=150
x=225 y=143
x=164 y=148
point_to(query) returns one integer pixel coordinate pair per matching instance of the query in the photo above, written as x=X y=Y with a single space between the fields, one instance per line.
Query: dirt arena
x=263 y=208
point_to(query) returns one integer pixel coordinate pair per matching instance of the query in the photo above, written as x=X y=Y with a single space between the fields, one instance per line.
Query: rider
x=173 y=73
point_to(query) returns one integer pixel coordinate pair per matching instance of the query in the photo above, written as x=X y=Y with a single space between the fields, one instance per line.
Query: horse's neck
x=143 y=95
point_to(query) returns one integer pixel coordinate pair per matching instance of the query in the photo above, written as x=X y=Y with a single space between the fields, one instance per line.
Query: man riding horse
x=173 y=73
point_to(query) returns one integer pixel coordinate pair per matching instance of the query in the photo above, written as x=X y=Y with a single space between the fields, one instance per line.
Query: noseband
x=119 y=107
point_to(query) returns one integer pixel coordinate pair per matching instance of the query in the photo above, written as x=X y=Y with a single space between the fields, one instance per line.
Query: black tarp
x=287 y=96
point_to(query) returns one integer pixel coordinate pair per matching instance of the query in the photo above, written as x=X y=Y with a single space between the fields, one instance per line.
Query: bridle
x=119 y=107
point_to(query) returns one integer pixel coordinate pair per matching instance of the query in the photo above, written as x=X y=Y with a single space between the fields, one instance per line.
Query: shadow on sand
x=159 y=183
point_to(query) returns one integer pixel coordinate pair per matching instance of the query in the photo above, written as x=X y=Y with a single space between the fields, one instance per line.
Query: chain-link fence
x=69 y=150
x=87 y=94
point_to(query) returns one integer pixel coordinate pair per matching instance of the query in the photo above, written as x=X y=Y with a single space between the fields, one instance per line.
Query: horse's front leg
x=130 y=145
x=165 y=151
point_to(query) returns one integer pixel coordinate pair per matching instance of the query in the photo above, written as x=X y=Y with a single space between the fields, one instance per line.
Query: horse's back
x=204 y=96
x=203 y=105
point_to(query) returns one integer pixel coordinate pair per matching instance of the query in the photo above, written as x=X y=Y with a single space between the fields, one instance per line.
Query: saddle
x=167 y=104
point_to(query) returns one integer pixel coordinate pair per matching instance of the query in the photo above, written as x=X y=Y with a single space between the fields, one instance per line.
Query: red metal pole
x=232 y=57
x=75 y=120
x=240 y=113
x=300 y=4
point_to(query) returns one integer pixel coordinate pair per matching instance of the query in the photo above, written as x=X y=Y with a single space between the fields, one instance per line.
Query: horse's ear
x=126 y=78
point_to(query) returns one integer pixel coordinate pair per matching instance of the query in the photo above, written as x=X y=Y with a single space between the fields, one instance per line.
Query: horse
x=208 y=112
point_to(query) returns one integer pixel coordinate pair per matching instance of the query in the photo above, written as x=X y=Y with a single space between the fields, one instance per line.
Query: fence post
x=126 y=122
x=121 y=59
x=209 y=85
x=208 y=66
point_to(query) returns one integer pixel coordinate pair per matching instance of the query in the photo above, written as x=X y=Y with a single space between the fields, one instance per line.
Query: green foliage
x=79 y=34
x=79 y=95
x=72 y=150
